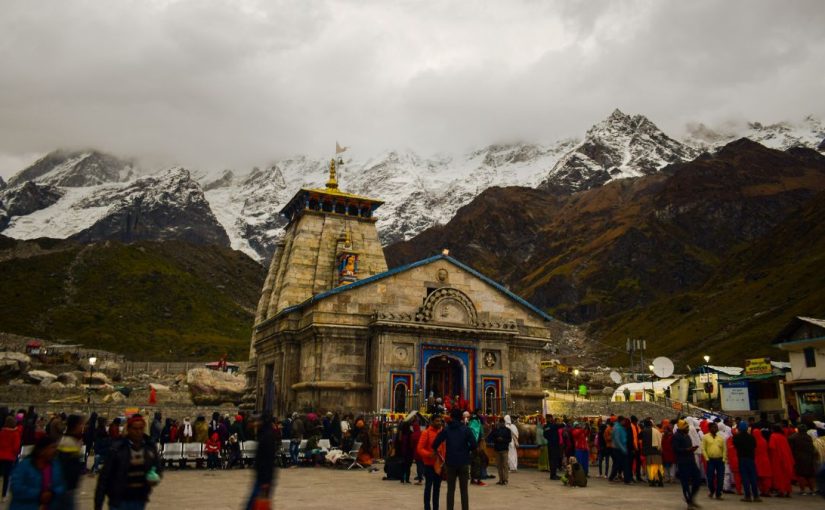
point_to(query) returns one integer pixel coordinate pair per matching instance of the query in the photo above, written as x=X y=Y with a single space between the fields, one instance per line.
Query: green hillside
x=754 y=293
x=149 y=300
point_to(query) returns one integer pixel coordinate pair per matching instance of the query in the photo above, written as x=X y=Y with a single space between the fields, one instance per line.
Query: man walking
x=745 y=446
x=501 y=438
x=714 y=449
x=687 y=471
x=71 y=461
x=459 y=441
x=130 y=471
x=262 y=487
x=551 y=435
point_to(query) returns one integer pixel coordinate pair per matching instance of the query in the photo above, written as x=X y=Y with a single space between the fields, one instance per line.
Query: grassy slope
x=735 y=315
x=169 y=301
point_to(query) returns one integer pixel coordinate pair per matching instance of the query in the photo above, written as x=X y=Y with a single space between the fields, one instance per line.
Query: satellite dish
x=616 y=377
x=662 y=367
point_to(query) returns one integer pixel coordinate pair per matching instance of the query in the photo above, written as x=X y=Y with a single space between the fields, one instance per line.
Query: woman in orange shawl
x=781 y=461
x=763 y=463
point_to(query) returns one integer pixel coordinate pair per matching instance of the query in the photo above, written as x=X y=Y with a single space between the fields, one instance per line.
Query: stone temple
x=336 y=330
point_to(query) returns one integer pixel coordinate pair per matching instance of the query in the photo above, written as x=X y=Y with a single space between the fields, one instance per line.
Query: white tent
x=639 y=390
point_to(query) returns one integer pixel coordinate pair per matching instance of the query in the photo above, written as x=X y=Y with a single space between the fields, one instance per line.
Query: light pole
x=92 y=361
x=575 y=383
x=707 y=375
x=652 y=388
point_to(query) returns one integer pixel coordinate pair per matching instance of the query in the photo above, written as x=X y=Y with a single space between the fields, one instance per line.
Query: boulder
x=52 y=384
x=98 y=379
x=114 y=398
x=38 y=376
x=13 y=364
x=113 y=369
x=211 y=387
x=159 y=387
x=67 y=378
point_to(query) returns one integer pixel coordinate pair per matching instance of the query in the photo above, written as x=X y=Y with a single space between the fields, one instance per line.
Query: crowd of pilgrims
x=755 y=459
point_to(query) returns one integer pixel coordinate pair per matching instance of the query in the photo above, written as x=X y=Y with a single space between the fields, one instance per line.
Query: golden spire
x=332 y=183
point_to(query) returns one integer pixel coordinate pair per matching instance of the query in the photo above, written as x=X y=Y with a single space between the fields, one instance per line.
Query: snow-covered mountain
x=74 y=169
x=168 y=205
x=618 y=147
x=809 y=132
x=92 y=196
x=418 y=192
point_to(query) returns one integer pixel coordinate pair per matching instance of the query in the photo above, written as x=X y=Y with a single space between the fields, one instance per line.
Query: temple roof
x=401 y=269
x=329 y=199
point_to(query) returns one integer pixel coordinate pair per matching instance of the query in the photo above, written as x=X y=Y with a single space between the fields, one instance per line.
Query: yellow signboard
x=562 y=369
x=546 y=364
x=758 y=366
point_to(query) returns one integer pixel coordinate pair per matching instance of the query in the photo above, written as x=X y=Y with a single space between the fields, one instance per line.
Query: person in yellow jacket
x=714 y=449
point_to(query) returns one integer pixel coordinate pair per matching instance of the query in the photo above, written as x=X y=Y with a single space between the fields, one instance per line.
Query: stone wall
x=605 y=408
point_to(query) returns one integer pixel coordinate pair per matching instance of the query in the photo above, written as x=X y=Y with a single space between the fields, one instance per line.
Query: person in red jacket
x=581 y=447
x=733 y=462
x=9 y=449
x=433 y=462
x=781 y=461
x=763 y=463
x=212 y=449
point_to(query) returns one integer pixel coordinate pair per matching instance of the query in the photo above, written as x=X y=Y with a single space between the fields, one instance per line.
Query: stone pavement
x=323 y=488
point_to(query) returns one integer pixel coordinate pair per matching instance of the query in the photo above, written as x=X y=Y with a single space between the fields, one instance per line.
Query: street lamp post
x=576 y=384
x=652 y=387
x=92 y=362
x=707 y=376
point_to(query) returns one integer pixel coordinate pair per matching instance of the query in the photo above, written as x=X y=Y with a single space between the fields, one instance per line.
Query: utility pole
x=633 y=346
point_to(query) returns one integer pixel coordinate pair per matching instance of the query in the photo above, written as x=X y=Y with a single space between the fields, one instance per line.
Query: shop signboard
x=758 y=366
x=735 y=396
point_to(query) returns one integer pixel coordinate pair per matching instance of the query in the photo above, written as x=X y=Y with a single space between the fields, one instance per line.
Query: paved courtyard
x=322 y=488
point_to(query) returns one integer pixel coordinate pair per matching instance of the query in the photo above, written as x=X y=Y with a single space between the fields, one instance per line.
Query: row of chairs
x=195 y=452
x=347 y=459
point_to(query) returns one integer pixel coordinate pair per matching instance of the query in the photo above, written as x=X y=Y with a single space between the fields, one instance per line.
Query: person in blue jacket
x=37 y=481
x=460 y=441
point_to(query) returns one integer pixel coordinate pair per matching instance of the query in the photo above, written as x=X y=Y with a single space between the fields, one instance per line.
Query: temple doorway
x=444 y=376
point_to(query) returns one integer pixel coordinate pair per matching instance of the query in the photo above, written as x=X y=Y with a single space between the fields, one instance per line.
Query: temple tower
x=330 y=240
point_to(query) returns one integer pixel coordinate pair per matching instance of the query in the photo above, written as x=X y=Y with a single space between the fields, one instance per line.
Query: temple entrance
x=444 y=376
x=400 y=398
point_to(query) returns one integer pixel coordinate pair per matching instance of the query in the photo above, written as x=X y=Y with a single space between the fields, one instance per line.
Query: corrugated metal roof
x=793 y=325
x=406 y=267
x=729 y=371
x=815 y=322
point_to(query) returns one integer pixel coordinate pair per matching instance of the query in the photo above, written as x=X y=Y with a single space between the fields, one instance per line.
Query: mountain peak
x=620 y=146
x=76 y=169
x=618 y=115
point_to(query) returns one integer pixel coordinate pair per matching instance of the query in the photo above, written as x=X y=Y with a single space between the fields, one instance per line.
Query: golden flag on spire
x=339 y=149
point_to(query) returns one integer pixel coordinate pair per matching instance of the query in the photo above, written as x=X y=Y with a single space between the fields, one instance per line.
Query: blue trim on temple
x=401 y=269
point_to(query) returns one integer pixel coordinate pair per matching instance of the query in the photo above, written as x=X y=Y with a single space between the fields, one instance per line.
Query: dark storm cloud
x=236 y=83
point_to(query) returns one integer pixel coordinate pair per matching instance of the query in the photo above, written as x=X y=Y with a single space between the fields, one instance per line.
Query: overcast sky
x=235 y=83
